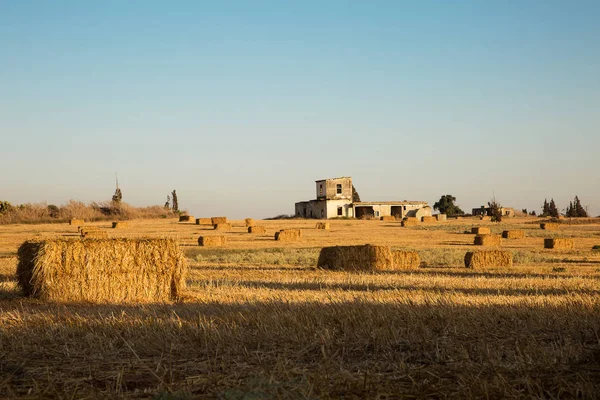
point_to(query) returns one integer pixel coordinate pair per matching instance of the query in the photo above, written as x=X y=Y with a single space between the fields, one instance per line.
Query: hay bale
x=249 y=222
x=257 y=229
x=323 y=225
x=186 y=218
x=93 y=233
x=222 y=227
x=120 y=224
x=513 y=234
x=406 y=259
x=549 y=226
x=288 y=235
x=488 y=258
x=481 y=230
x=559 y=243
x=485 y=218
x=102 y=270
x=428 y=219
x=204 y=221
x=440 y=217
x=487 y=240
x=410 y=221
x=77 y=222
x=212 y=241
x=218 y=220
x=356 y=258
x=387 y=218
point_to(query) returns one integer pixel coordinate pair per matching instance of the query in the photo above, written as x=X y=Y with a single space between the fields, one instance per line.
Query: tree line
x=446 y=205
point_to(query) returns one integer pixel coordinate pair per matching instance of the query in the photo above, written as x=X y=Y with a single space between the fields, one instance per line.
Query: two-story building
x=335 y=199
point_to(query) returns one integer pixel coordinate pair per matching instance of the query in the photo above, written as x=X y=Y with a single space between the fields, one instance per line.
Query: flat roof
x=388 y=203
x=332 y=179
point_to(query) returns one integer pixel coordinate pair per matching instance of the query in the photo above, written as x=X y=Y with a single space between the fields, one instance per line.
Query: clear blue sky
x=241 y=105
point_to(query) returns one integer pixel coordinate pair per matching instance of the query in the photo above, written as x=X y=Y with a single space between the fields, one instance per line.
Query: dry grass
x=260 y=321
x=406 y=259
x=120 y=224
x=104 y=270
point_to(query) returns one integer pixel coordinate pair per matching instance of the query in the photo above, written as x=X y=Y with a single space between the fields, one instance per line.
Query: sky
x=241 y=105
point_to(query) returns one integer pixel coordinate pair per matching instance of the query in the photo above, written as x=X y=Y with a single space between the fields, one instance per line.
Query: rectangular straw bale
x=102 y=270
x=406 y=259
x=481 y=230
x=485 y=218
x=204 y=221
x=488 y=258
x=549 y=226
x=428 y=219
x=222 y=227
x=488 y=240
x=323 y=225
x=120 y=224
x=356 y=258
x=186 y=218
x=218 y=220
x=93 y=233
x=212 y=241
x=441 y=217
x=249 y=222
x=388 y=218
x=559 y=243
x=257 y=229
x=513 y=234
x=76 y=222
x=288 y=235
x=410 y=221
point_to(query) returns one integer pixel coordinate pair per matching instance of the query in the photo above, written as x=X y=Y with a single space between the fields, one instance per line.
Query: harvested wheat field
x=258 y=319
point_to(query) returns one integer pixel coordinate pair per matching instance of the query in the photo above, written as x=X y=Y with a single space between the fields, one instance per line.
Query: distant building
x=483 y=211
x=334 y=199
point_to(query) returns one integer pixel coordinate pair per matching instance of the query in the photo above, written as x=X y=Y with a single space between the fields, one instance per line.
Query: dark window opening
x=340 y=211
x=339 y=189
x=321 y=189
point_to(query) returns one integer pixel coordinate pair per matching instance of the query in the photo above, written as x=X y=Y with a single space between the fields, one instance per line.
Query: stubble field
x=260 y=321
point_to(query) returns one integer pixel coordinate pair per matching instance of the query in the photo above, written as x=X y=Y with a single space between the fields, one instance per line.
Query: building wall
x=327 y=189
x=333 y=205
